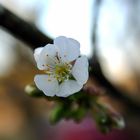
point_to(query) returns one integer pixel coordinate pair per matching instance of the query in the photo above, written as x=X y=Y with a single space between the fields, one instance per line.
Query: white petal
x=80 y=70
x=69 y=49
x=47 y=56
x=37 y=53
x=48 y=85
x=68 y=88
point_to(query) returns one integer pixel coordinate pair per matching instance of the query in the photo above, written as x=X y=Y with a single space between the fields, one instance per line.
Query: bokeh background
x=118 y=32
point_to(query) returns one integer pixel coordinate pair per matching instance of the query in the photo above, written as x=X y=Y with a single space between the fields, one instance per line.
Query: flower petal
x=68 y=88
x=69 y=49
x=37 y=53
x=80 y=70
x=47 y=56
x=47 y=84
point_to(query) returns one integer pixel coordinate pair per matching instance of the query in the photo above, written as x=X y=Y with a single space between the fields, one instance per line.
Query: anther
x=49 y=80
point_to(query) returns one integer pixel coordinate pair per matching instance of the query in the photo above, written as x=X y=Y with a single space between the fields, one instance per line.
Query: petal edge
x=80 y=70
x=46 y=84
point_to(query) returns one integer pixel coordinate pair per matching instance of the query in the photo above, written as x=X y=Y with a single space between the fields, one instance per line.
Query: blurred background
x=118 y=32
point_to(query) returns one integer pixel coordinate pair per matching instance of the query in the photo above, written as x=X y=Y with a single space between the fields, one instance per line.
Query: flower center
x=62 y=72
x=59 y=70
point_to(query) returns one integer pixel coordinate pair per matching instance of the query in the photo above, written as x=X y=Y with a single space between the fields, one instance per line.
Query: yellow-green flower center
x=62 y=72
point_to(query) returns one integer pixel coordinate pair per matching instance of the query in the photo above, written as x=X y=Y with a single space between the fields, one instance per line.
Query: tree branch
x=21 y=29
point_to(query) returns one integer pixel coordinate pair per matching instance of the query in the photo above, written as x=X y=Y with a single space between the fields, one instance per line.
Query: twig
x=21 y=29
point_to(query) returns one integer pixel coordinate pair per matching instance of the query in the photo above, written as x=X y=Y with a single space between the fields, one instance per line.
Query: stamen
x=62 y=72
x=59 y=70
x=49 y=80
x=54 y=59
x=50 y=66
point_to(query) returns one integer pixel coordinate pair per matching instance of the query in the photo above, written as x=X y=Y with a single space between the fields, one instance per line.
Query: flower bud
x=32 y=91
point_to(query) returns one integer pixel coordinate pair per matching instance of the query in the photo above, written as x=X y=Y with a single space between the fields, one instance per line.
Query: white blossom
x=65 y=71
